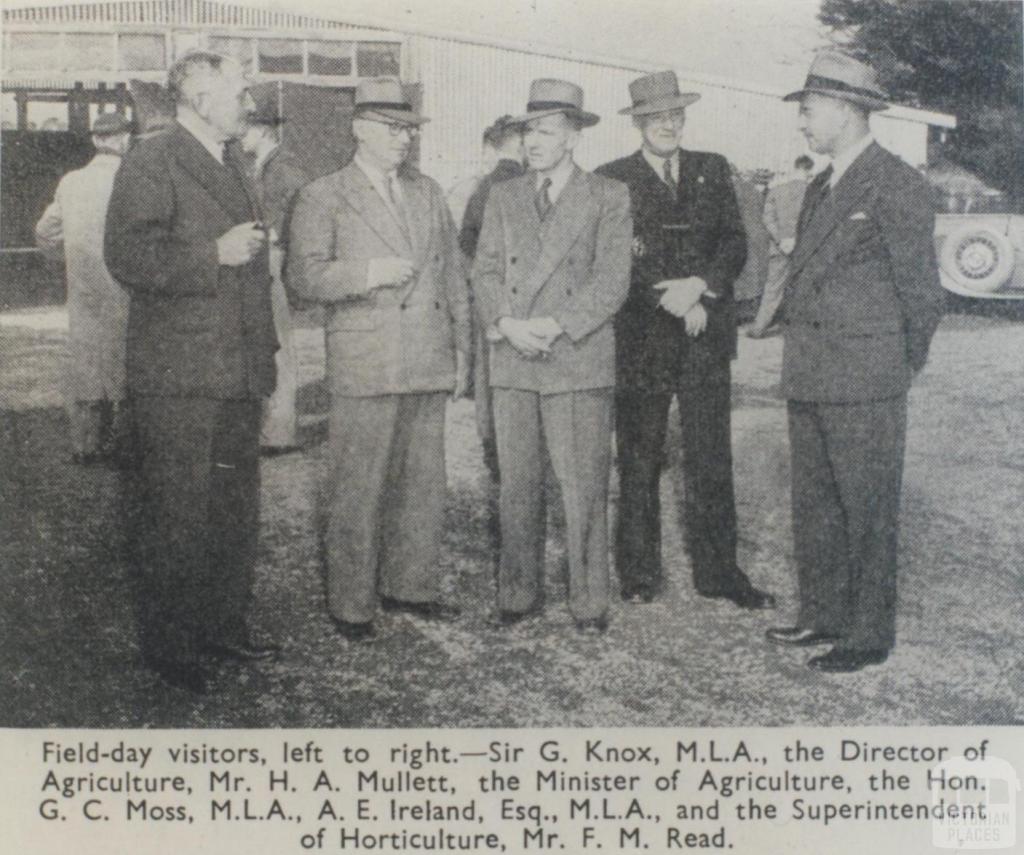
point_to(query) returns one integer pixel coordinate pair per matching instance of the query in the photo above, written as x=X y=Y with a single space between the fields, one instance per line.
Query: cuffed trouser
x=847 y=477
x=575 y=427
x=194 y=517
x=709 y=504
x=383 y=506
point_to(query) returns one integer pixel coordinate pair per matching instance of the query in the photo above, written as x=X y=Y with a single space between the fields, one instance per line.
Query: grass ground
x=68 y=656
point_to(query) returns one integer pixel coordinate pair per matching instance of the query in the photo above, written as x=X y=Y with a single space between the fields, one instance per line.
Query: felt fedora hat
x=109 y=124
x=383 y=96
x=656 y=93
x=548 y=97
x=839 y=75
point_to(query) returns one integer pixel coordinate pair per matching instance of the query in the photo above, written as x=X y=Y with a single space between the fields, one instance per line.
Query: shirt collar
x=559 y=178
x=264 y=159
x=844 y=160
x=657 y=162
x=201 y=131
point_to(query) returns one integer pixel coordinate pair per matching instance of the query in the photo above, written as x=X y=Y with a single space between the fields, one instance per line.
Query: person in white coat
x=71 y=231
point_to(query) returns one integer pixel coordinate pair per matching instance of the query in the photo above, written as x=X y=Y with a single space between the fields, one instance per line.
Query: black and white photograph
x=511 y=364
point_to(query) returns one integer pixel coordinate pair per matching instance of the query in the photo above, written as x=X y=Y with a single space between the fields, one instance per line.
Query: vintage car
x=981 y=255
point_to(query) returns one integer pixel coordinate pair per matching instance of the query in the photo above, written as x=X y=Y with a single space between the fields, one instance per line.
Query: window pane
x=237 y=49
x=334 y=58
x=141 y=52
x=34 y=51
x=280 y=56
x=379 y=58
x=88 y=51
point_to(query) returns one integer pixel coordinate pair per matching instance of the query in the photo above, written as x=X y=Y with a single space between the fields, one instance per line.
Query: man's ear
x=200 y=102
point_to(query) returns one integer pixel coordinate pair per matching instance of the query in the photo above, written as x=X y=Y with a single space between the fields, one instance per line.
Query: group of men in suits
x=600 y=296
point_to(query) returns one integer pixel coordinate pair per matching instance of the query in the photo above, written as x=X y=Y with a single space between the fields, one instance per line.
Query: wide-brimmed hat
x=656 y=93
x=268 y=106
x=109 y=124
x=839 y=75
x=384 y=96
x=548 y=97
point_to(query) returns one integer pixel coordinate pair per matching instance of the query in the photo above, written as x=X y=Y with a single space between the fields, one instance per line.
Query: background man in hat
x=676 y=335
x=859 y=309
x=375 y=244
x=182 y=237
x=551 y=270
x=781 y=211
x=505 y=139
x=278 y=179
x=71 y=232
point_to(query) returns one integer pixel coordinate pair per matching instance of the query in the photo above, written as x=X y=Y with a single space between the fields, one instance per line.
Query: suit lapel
x=363 y=198
x=560 y=229
x=222 y=182
x=417 y=208
x=830 y=212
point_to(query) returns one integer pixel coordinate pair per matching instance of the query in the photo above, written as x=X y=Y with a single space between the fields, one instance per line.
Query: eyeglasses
x=395 y=128
x=673 y=118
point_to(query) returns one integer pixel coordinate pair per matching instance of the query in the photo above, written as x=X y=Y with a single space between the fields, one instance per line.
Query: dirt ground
x=69 y=658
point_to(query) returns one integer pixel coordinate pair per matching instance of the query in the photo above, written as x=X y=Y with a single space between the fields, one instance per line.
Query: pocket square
x=860 y=215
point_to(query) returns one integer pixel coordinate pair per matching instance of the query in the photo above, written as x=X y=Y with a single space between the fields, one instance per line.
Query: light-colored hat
x=548 y=97
x=383 y=95
x=656 y=93
x=841 y=76
x=110 y=124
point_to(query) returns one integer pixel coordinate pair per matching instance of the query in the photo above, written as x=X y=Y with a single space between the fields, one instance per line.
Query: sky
x=764 y=41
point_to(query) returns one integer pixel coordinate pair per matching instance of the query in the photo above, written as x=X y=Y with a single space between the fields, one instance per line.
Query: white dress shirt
x=559 y=176
x=657 y=163
x=201 y=131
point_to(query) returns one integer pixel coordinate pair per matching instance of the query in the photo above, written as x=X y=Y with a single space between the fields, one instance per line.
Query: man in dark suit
x=676 y=335
x=551 y=270
x=506 y=139
x=859 y=310
x=182 y=236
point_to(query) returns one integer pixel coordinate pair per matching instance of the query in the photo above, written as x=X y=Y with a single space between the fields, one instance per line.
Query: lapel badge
x=700 y=179
x=639 y=247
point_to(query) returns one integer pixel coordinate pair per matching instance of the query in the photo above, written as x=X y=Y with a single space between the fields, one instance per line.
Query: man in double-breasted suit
x=551 y=270
x=676 y=335
x=181 y=235
x=375 y=244
x=859 y=310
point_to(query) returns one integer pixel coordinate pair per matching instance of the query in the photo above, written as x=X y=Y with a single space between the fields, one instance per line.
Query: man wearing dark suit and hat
x=551 y=270
x=859 y=310
x=676 y=335
x=375 y=244
x=278 y=177
x=506 y=139
x=182 y=236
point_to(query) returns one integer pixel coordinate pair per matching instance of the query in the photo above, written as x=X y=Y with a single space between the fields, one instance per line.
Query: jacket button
x=515 y=290
x=568 y=292
x=512 y=260
x=403 y=307
x=816 y=324
x=437 y=304
x=437 y=258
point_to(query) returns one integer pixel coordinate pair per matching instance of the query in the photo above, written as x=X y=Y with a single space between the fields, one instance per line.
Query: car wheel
x=977 y=258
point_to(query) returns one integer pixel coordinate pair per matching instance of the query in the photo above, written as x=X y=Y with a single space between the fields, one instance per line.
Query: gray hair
x=186 y=68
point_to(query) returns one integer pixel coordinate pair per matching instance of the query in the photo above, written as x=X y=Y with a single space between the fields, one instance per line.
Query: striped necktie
x=543 y=199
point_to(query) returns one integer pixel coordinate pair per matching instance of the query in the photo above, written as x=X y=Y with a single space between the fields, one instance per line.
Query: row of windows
x=50 y=52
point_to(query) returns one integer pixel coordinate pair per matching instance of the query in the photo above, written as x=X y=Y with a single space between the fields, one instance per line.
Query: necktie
x=397 y=204
x=543 y=200
x=666 y=174
x=231 y=162
x=816 y=194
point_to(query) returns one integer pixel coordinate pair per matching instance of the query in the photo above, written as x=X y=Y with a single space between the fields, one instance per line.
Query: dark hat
x=268 y=106
x=110 y=124
x=383 y=95
x=656 y=93
x=548 y=97
x=839 y=75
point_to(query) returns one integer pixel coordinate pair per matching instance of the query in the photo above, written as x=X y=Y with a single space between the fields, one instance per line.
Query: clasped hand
x=681 y=298
x=239 y=244
x=532 y=337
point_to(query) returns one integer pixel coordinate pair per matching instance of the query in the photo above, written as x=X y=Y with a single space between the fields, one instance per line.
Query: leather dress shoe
x=181 y=675
x=354 y=631
x=243 y=651
x=838 y=661
x=506 y=618
x=428 y=610
x=798 y=636
x=278 y=450
x=744 y=596
x=592 y=626
x=638 y=594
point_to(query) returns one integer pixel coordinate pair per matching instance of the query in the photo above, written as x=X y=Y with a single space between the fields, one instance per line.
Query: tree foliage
x=964 y=57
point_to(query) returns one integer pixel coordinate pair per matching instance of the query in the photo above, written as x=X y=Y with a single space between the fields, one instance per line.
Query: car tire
x=977 y=258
